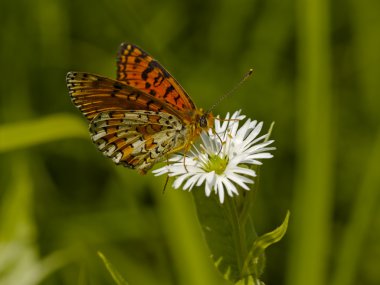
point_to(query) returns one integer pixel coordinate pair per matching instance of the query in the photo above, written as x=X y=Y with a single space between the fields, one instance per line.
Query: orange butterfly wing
x=138 y=69
x=93 y=94
x=129 y=126
x=138 y=118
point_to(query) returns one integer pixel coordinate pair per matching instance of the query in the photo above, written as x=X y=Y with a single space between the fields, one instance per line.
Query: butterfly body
x=142 y=116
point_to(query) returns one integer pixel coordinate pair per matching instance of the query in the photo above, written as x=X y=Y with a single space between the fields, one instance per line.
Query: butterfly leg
x=186 y=150
x=167 y=176
x=220 y=139
x=166 y=184
x=184 y=162
x=227 y=120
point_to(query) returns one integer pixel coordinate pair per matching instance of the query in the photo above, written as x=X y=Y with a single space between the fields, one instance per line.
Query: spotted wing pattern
x=138 y=69
x=137 y=138
x=93 y=94
x=139 y=118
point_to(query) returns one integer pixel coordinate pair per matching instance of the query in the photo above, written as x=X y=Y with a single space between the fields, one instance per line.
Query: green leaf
x=114 y=273
x=256 y=253
x=29 y=133
x=20 y=260
x=250 y=280
x=225 y=233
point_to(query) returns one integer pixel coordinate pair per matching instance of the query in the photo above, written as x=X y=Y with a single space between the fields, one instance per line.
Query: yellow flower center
x=217 y=164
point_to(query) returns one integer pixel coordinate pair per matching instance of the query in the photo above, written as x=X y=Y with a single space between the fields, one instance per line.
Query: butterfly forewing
x=94 y=94
x=138 y=69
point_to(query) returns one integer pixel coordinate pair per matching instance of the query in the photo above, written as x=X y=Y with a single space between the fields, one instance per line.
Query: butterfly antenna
x=245 y=77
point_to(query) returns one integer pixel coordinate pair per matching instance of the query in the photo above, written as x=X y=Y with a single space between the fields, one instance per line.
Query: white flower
x=222 y=161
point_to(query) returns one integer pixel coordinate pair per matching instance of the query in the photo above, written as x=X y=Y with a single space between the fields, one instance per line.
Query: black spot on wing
x=157 y=65
x=118 y=85
x=149 y=69
x=168 y=90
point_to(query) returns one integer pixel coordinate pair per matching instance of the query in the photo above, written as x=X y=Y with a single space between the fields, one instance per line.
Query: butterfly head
x=204 y=120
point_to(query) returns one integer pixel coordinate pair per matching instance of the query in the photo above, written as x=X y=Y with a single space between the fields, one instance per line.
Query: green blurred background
x=317 y=71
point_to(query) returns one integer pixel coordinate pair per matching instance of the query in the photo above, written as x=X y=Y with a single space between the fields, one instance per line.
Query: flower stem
x=238 y=232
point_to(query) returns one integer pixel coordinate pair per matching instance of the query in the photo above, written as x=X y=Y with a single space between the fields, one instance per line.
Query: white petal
x=230 y=187
x=191 y=182
x=201 y=179
x=263 y=155
x=211 y=178
x=252 y=161
x=254 y=147
x=220 y=190
x=240 y=180
x=241 y=134
x=160 y=171
x=180 y=179
x=256 y=130
x=246 y=171
x=208 y=189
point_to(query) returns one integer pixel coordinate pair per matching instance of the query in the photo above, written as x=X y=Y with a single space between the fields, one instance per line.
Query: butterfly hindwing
x=137 y=139
x=138 y=69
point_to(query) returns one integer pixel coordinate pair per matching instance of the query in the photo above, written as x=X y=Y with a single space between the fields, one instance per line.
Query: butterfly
x=141 y=117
